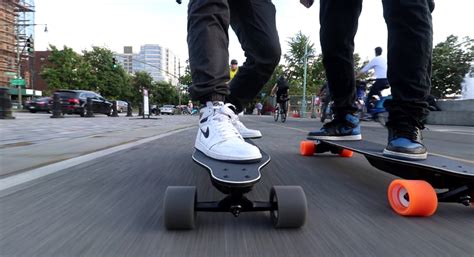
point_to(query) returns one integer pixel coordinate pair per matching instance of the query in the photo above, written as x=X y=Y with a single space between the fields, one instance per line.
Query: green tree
x=111 y=82
x=186 y=78
x=294 y=67
x=164 y=93
x=138 y=82
x=66 y=69
x=294 y=62
x=451 y=61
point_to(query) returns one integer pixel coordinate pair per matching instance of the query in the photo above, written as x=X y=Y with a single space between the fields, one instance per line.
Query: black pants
x=208 y=41
x=410 y=39
x=376 y=89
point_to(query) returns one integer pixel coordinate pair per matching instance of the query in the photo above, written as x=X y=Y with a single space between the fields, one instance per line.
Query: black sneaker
x=405 y=143
x=347 y=128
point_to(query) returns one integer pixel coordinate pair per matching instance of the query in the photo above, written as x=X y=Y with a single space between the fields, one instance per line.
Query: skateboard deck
x=231 y=173
x=455 y=177
x=434 y=166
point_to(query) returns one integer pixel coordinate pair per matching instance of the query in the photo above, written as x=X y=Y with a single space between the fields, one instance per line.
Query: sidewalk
x=35 y=140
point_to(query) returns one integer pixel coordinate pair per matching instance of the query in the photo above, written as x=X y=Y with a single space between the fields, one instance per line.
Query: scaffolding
x=16 y=27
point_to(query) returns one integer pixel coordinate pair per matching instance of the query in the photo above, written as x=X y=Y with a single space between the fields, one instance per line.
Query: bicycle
x=280 y=111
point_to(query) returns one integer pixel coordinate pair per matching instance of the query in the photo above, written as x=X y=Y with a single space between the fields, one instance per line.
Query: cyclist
x=325 y=98
x=379 y=65
x=280 y=90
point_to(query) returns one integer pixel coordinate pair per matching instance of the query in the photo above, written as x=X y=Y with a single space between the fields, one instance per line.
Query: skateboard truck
x=460 y=195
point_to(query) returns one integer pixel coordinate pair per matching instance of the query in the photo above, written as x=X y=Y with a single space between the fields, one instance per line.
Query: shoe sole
x=250 y=136
x=405 y=156
x=337 y=138
x=214 y=156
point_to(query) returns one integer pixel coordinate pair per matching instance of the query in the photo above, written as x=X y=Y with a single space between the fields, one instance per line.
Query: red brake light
x=73 y=101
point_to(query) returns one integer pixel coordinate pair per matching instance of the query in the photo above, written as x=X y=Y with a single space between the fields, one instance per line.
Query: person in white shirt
x=379 y=65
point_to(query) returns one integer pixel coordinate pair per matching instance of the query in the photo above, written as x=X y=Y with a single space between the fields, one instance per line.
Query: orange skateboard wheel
x=346 y=153
x=412 y=198
x=307 y=148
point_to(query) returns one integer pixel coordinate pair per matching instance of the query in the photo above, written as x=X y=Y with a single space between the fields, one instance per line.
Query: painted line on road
x=30 y=175
x=440 y=155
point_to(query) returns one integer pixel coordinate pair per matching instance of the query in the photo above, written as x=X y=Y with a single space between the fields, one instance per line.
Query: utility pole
x=18 y=71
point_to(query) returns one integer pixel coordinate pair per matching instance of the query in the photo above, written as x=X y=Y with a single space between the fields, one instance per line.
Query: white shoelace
x=224 y=123
x=234 y=117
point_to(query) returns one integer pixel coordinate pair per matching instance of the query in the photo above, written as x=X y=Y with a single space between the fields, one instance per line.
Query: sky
x=117 y=23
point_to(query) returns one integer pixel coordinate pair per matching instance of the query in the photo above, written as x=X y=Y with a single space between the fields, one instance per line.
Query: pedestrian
x=259 y=107
x=234 y=67
x=221 y=134
x=410 y=43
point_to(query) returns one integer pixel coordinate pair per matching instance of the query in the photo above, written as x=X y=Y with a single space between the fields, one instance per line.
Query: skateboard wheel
x=307 y=148
x=179 y=206
x=412 y=198
x=291 y=206
x=346 y=153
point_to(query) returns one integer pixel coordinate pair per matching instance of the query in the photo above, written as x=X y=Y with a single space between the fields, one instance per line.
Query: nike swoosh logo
x=205 y=133
x=345 y=130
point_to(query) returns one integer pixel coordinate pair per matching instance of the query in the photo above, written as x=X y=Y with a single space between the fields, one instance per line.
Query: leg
x=208 y=23
x=254 y=23
x=376 y=89
x=208 y=41
x=410 y=42
x=339 y=21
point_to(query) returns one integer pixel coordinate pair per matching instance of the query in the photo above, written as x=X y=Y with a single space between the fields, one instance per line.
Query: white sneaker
x=219 y=139
x=243 y=130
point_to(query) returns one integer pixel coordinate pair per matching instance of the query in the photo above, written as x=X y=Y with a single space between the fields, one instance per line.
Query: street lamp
x=306 y=56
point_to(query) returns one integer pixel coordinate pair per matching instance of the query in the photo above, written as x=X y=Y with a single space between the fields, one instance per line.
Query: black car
x=74 y=102
x=42 y=104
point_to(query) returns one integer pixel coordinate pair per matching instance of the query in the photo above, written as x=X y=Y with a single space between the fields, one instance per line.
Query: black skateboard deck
x=454 y=178
x=231 y=173
x=435 y=166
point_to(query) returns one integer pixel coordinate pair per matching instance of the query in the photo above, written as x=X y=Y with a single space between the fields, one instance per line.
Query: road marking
x=30 y=175
x=437 y=154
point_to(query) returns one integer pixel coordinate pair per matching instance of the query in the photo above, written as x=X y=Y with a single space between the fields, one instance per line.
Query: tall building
x=128 y=59
x=17 y=23
x=8 y=58
x=159 y=62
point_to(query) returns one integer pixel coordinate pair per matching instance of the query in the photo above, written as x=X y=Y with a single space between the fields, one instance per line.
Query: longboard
x=455 y=177
x=287 y=205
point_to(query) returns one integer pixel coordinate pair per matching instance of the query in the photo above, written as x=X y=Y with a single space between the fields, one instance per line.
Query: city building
x=127 y=59
x=17 y=21
x=161 y=63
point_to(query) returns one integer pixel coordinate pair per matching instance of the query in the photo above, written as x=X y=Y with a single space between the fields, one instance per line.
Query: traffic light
x=114 y=62
x=30 y=46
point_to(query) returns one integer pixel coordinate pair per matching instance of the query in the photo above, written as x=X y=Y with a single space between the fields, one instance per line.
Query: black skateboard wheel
x=179 y=206
x=291 y=206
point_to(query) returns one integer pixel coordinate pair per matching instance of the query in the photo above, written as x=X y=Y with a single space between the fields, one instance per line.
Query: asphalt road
x=112 y=206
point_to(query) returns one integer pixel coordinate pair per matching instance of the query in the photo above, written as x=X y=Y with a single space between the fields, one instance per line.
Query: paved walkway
x=35 y=140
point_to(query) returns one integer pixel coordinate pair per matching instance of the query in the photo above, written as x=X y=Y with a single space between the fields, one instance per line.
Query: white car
x=122 y=106
x=167 y=109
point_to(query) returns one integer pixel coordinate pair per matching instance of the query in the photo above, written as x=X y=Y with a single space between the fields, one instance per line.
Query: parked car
x=122 y=106
x=74 y=102
x=42 y=104
x=168 y=109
